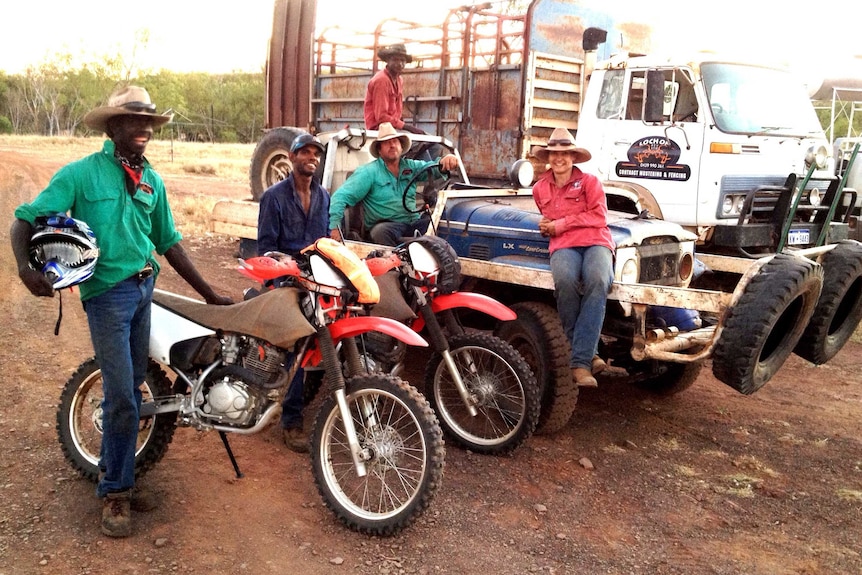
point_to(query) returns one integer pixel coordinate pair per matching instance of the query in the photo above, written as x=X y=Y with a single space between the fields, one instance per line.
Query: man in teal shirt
x=380 y=187
x=119 y=195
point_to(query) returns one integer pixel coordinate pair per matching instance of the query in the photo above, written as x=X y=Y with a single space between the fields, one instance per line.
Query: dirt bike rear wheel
x=403 y=442
x=79 y=420
x=507 y=395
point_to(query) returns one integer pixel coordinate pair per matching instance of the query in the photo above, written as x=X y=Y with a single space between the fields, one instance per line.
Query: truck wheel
x=538 y=336
x=839 y=308
x=269 y=162
x=767 y=322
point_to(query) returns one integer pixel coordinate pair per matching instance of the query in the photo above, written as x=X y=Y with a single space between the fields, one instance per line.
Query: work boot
x=142 y=500
x=583 y=377
x=598 y=365
x=295 y=439
x=117 y=515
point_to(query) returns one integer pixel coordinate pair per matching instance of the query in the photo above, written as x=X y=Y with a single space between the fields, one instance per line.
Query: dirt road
x=706 y=482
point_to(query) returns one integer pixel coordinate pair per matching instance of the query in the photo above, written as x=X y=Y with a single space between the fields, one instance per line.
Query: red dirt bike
x=484 y=393
x=376 y=449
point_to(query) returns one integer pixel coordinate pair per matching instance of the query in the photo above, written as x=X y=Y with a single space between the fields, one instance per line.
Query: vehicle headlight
x=817 y=155
x=815 y=197
x=521 y=173
x=727 y=206
x=629 y=273
x=686 y=266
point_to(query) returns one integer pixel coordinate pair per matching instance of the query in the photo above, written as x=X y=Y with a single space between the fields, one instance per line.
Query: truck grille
x=659 y=262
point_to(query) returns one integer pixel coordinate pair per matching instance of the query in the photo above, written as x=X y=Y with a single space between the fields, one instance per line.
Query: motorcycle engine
x=230 y=399
x=241 y=387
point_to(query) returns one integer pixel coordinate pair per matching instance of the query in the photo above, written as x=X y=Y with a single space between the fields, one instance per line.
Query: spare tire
x=766 y=323
x=839 y=308
x=269 y=162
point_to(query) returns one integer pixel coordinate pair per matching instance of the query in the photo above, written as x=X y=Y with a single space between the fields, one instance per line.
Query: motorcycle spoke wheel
x=79 y=421
x=402 y=446
x=502 y=388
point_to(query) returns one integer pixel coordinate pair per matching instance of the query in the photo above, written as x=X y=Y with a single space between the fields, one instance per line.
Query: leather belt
x=145 y=273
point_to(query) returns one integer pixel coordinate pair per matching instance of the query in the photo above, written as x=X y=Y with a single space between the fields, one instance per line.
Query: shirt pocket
x=103 y=205
x=575 y=200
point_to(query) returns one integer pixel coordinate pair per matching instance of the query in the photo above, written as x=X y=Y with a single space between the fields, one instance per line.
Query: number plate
x=797 y=237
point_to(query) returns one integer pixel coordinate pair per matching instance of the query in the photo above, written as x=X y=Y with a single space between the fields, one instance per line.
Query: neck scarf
x=133 y=168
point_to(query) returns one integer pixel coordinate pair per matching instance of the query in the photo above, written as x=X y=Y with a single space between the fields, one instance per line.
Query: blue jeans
x=582 y=278
x=392 y=233
x=119 y=321
x=291 y=405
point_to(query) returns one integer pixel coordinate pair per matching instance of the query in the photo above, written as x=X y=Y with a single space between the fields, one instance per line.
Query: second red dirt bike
x=484 y=393
x=376 y=447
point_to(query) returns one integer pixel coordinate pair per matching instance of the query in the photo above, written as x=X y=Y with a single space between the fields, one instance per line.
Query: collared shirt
x=283 y=225
x=384 y=101
x=380 y=192
x=579 y=210
x=127 y=228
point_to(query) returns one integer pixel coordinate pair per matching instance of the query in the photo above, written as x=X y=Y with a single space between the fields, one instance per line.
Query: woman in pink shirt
x=574 y=217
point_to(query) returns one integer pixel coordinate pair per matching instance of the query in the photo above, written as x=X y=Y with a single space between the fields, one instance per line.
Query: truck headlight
x=817 y=155
x=814 y=197
x=629 y=274
x=686 y=266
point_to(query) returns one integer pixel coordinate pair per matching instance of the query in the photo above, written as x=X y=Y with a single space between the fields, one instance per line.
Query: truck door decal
x=654 y=158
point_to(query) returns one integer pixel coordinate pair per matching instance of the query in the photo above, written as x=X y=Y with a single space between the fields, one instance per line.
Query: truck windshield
x=755 y=100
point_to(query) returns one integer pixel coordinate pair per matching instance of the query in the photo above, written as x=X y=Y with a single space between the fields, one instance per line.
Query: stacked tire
x=767 y=322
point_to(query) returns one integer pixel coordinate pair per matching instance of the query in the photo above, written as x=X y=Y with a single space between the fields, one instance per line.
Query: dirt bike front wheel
x=79 y=420
x=403 y=449
x=504 y=392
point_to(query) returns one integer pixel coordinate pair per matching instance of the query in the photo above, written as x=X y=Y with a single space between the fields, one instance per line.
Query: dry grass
x=197 y=173
x=227 y=162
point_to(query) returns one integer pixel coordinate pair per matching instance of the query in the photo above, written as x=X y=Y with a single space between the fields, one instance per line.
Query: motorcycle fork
x=337 y=386
x=439 y=342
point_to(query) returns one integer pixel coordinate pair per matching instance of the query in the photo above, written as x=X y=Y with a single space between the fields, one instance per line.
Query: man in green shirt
x=380 y=187
x=119 y=195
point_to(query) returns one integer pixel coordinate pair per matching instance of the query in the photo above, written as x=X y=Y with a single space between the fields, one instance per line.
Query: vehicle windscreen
x=755 y=100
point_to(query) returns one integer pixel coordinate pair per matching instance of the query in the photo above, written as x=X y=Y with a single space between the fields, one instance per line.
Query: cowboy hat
x=127 y=101
x=394 y=50
x=387 y=132
x=561 y=140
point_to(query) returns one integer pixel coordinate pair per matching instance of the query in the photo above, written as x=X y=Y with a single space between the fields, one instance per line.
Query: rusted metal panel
x=489 y=152
x=289 y=64
x=557 y=27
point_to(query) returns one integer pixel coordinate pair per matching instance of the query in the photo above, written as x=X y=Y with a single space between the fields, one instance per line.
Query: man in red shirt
x=384 y=96
x=574 y=215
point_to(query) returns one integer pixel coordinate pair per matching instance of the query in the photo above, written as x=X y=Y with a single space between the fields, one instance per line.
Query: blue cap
x=304 y=140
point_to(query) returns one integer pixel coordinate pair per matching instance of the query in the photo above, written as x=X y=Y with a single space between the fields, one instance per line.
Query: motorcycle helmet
x=64 y=249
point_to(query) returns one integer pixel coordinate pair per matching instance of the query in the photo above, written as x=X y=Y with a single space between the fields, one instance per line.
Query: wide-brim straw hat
x=394 y=50
x=386 y=132
x=561 y=140
x=127 y=101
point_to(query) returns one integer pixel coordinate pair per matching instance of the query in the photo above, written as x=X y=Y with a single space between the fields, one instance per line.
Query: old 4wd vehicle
x=658 y=329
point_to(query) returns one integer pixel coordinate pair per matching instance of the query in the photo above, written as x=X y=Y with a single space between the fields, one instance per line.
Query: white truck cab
x=716 y=146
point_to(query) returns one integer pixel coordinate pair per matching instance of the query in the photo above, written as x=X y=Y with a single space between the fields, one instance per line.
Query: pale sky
x=206 y=36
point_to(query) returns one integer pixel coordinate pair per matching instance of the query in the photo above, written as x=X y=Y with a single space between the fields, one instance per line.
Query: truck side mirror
x=654 y=102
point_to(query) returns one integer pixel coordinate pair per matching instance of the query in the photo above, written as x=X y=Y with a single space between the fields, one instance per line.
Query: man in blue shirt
x=293 y=214
x=380 y=187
